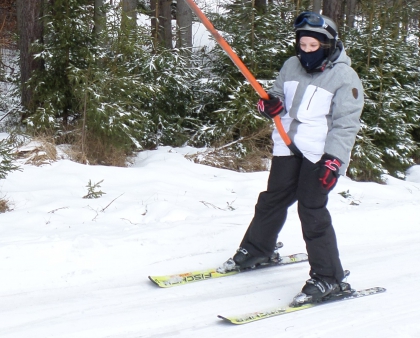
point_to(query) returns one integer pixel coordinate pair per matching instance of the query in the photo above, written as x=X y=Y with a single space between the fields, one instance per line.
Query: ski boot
x=317 y=289
x=243 y=260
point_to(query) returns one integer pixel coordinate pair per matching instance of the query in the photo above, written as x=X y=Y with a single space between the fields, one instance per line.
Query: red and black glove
x=270 y=108
x=329 y=167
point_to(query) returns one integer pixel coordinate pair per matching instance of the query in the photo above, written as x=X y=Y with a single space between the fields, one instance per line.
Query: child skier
x=319 y=98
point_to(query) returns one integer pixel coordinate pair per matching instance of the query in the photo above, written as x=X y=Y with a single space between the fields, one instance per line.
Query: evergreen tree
x=115 y=86
x=68 y=42
x=389 y=73
x=112 y=85
x=7 y=157
x=176 y=74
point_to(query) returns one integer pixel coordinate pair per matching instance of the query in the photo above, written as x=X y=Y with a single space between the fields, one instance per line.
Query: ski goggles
x=314 y=20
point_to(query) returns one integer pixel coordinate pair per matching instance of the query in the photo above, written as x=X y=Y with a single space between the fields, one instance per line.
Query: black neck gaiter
x=312 y=60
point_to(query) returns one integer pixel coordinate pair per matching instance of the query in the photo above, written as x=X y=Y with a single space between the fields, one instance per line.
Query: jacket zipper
x=307 y=108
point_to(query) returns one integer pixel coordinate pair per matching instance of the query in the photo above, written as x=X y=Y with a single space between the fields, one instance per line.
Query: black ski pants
x=294 y=179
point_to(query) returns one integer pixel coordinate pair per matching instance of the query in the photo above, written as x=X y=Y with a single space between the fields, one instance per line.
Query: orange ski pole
x=244 y=70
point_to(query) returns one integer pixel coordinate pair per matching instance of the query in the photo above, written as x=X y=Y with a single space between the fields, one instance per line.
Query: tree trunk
x=129 y=17
x=99 y=16
x=350 y=13
x=8 y=22
x=30 y=29
x=261 y=6
x=184 y=22
x=317 y=6
x=161 y=22
x=332 y=9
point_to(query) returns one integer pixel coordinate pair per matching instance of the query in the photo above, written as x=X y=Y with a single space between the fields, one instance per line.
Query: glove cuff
x=326 y=157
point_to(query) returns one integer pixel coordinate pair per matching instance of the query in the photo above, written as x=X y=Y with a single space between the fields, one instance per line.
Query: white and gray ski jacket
x=322 y=109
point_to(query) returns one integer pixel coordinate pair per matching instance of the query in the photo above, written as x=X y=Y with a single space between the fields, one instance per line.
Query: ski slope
x=77 y=268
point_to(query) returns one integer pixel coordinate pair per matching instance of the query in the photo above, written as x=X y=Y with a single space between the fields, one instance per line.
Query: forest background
x=110 y=78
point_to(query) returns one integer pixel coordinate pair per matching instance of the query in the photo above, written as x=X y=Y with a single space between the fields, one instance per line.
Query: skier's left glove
x=329 y=167
x=270 y=108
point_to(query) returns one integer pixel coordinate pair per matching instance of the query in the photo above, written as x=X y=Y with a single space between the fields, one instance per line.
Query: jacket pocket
x=315 y=105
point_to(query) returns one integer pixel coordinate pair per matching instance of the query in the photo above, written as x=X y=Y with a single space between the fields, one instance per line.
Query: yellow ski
x=254 y=316
x=201 y=275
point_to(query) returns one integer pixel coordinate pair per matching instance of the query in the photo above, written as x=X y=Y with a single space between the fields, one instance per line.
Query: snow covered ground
x=77 y=268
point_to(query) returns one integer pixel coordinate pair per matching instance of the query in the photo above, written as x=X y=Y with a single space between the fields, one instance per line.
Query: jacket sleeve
x=278 y=86
x=346 y=108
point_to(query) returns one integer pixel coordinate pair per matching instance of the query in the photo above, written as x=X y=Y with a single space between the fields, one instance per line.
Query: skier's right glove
x=270 y=108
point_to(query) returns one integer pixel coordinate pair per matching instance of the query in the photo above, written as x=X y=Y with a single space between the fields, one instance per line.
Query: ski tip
x=151 y=278
x=227 y=320
x=155 y=282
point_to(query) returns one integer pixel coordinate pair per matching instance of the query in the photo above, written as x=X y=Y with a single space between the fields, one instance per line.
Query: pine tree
x=68 y=42
x=389 y=73
x=112 y=85
x=7 y=157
